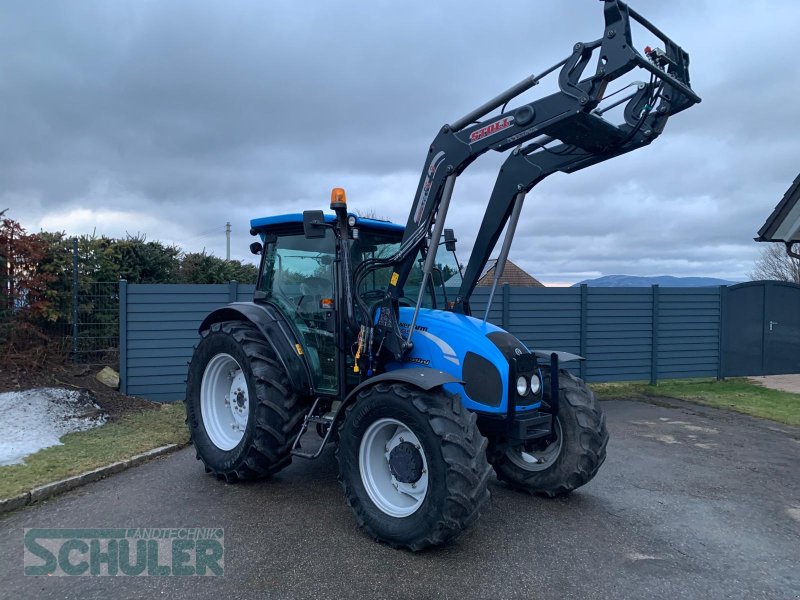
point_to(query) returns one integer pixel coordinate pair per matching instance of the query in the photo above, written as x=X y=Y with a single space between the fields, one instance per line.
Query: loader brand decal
x=141 y=551
x=419 y=361
x=491 y=129
x=438 y=159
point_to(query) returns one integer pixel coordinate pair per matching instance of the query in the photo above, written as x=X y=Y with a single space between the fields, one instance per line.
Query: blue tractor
x=361 y=334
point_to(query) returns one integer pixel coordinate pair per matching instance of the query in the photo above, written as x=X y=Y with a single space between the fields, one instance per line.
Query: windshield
x=380 y=244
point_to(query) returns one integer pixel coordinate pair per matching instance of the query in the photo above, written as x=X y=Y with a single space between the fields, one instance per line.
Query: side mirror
x=314 y=224
x=450 y=240
x=256 y=248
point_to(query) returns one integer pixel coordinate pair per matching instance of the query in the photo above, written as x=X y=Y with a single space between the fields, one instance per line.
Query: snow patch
x=705 y=446
x=34 y=419
x=701 y=429
x=638 y=556
x=663 y=438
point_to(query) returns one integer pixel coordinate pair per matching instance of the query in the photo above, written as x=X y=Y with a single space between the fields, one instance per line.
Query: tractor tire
x=241 y=410
x=556 y=467
x=412 y=464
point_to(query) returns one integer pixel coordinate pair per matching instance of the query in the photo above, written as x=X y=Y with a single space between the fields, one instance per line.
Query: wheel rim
x=393 y=468
x=224 y=401
x=540 y=459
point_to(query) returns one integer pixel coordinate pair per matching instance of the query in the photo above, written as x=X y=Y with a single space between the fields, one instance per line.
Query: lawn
x=734 y=394
x=83 y=451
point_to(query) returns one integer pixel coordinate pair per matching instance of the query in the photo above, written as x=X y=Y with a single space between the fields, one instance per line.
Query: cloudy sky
x=171 y=117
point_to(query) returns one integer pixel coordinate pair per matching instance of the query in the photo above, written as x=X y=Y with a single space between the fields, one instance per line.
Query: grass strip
x=737 y=394
x=86 y=450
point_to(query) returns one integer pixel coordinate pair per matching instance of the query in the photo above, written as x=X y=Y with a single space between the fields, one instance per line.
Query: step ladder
x=324 y=421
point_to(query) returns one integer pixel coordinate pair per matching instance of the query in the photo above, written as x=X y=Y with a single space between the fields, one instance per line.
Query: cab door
x=297 y=277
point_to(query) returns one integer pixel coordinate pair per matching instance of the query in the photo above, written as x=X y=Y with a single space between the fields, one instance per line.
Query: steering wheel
x=377 y=294
x=381 y=294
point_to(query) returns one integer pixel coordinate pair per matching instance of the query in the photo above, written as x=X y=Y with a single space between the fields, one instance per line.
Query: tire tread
x=278 y=413
x=463 y=450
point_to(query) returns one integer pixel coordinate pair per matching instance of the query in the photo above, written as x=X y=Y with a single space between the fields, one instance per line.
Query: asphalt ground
x=692 y=502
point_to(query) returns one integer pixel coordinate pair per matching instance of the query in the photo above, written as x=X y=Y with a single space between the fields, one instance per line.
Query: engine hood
x=475 y=352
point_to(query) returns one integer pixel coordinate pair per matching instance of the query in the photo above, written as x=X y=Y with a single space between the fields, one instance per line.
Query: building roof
x=512 y=275
x=783 y=225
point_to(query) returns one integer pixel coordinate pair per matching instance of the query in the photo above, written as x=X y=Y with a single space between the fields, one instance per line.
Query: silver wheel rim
x=392 y=496
x=224 y=401
x=537 y=460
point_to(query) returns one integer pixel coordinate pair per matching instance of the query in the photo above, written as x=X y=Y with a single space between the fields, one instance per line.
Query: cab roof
x=280 y=221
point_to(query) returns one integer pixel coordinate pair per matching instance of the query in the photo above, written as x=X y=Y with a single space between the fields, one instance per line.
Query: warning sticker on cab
x=395 y=277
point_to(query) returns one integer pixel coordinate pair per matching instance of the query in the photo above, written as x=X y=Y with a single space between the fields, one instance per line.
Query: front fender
x=276 y=332
x=421 y=377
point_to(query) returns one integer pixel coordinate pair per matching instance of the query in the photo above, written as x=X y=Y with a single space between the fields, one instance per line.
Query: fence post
x=233 y=290
x=654 y=338
x=123 y=336
x=74 y=299
x=583 y=328
x=506 y=322
x=723 y=305
x=765 y=306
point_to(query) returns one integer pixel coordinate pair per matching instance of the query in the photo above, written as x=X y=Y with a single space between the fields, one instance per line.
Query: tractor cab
x=300 y=275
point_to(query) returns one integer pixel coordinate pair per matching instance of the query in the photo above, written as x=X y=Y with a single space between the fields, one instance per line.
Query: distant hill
x=662 y=280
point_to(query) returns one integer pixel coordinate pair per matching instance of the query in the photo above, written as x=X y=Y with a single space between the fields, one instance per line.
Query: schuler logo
x=491 y=129
x=115 y=552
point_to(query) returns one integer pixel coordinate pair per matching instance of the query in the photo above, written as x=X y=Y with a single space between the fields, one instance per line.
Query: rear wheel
x=567 y=460
x=240 y=408
x=412 y=464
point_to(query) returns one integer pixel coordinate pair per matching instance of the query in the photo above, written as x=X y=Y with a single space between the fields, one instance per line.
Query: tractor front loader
x=355 y=336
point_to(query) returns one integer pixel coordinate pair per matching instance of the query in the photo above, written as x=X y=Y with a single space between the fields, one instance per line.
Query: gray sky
x=171 y=117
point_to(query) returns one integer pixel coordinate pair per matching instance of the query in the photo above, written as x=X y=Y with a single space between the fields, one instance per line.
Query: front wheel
x=570 y=458
x=412 y=464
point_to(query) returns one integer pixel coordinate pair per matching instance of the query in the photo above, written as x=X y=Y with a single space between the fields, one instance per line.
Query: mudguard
x=421 y=377
x=276 y=332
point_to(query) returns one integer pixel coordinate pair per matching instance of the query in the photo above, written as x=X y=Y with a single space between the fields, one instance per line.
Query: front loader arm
x=527 y=166
x=568 y=115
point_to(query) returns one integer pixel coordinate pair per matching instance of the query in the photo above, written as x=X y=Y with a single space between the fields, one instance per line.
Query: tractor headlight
x=522 y=385
x=536 y=384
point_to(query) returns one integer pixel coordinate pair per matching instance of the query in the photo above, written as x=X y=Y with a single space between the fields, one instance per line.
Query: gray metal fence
x=625 y=333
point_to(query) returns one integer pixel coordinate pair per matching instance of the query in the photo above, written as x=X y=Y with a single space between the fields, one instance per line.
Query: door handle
x=771 y=323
